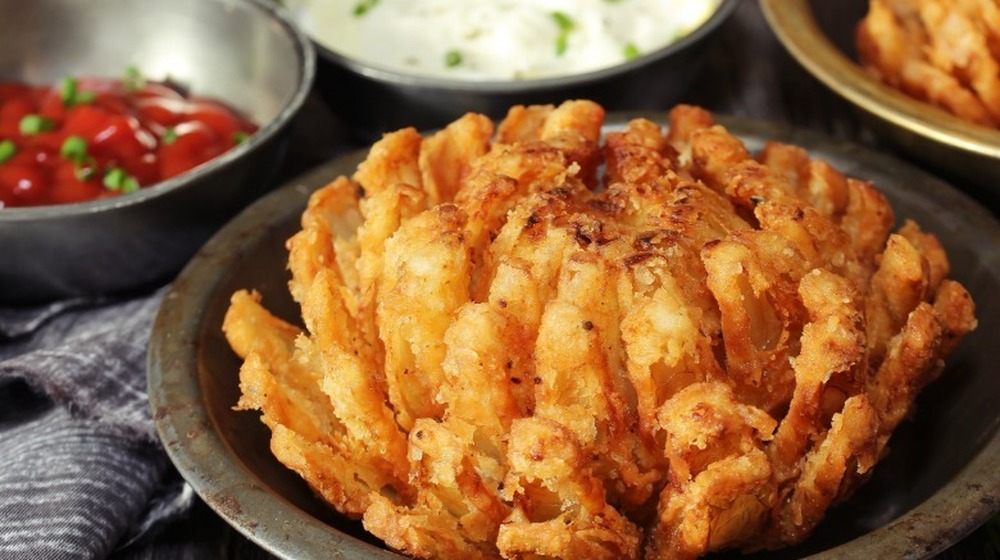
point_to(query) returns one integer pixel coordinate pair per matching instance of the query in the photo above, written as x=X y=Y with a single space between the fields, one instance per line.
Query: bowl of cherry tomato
x=130 y=130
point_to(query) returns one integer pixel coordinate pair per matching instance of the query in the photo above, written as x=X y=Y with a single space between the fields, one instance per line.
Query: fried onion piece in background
x=958 y=44
x=933 y=63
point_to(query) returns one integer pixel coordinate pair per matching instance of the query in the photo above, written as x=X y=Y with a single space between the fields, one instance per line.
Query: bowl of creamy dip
x=384 y=64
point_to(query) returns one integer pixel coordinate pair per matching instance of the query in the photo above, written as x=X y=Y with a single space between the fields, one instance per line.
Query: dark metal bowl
x=820 y=35
x=372 y=100
x=244 y=52
x=940 y=480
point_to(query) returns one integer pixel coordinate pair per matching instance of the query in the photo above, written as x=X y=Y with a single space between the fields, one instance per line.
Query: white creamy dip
x=497 y=39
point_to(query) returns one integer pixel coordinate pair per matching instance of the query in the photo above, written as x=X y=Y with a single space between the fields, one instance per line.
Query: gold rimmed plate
x=820 y=36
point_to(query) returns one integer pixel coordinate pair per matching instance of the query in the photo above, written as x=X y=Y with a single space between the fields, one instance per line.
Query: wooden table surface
x=748 y=74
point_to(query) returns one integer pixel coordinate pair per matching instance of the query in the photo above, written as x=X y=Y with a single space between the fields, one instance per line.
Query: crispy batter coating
x=507 y=355
x=560 y=508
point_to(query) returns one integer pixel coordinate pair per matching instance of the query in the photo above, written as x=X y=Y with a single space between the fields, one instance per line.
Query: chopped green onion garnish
x=362 y=7
x=114 y=178
x=169 y=135
x=564 y=22
x=7 y=150
x=631 y=51
x=74 y=148
x=566 y=25
x=240 y=137
x=130 y=185
x=133 y=78
x=452 y=59
x=33 y=124
x=68 y=91
x=71 y=95
x=562 y=43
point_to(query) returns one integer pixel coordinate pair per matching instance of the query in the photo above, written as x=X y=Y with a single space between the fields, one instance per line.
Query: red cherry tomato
x=145 y=168
x=164 y=112
x=52 y=106
x=69 y=187
x=49 y=141
x=85 y=121
x=220 y=119
x=32 y=156
x=195 y=143
x=23 y=185
x=11 y=113
x=122 y=139
x=143 y=135
x=111 y=103
x=10 y=90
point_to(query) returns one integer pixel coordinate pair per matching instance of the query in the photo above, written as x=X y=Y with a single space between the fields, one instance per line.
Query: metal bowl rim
x=394 y=77
x=305 y=55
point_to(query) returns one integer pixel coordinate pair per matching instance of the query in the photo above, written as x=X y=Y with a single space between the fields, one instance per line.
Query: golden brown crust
x=500 y=359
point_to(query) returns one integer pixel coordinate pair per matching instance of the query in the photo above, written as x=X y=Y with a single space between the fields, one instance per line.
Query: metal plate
x=940 y=481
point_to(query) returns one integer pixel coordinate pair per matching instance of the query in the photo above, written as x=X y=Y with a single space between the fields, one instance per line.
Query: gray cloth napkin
x=82 y=474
